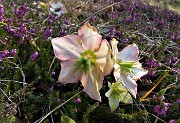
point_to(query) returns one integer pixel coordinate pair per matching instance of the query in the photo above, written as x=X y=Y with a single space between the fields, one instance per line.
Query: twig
x=6 y=95
x=23 y=75
x=12 y=81
x=51 y=64
x=157 y=118
x=145 y=37
x=51 y=115
x=44 y=117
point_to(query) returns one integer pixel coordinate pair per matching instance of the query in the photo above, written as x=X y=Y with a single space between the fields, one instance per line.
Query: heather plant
x=88 y=61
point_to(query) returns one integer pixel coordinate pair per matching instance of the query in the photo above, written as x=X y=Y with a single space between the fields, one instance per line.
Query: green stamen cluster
x=127 y=66
x=87 y=59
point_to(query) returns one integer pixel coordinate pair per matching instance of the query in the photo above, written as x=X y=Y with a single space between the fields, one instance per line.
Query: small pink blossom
x=13 y=52
x=161 y=109
x=77 y=100
x=172 y=121
x=34 y=56
x=53 y=73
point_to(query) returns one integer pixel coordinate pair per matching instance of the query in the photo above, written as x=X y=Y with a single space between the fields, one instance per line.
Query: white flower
x=84 y=57
x=127 y=67
x=57 y=8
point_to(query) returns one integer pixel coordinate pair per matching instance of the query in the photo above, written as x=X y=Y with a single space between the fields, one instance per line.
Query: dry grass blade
x=143 y=98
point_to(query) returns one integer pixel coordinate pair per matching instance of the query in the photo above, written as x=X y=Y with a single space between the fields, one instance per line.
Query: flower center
x=57 y=9
x=127 y=66
x=87 y=59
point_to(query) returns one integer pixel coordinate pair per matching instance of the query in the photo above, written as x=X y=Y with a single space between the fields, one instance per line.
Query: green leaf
x=66 y=119
x=117 y=93
x=113 y=102
x=125 y=97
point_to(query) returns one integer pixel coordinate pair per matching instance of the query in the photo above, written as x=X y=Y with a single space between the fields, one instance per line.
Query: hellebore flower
x=127 y=67
x=57 y=8
x=117 y=93
x=85 y=57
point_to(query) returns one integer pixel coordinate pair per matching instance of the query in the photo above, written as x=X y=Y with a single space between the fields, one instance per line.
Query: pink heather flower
x=13 y=52
x=47 y=32
x=3 y=54
x=159 y=97
x=157 y=109
x=53 y=73
x=167 y=104
x=5 y=41
x=178 y=100
x=1 y=9
x=162 y=98
x=164 y=110
x=77 y=100
x=161 y=110
x=1 y=67
x=172 y=121
x=34 y=56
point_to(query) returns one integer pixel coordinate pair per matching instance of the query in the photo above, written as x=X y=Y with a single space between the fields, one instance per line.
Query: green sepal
x=117 y=93
x=66 y=119
x=87 y=59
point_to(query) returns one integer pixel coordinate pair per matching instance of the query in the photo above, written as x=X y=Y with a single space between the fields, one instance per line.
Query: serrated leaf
x=117 y=93
x=66 y=119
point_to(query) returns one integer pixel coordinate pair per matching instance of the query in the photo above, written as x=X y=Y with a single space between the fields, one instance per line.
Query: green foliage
x=66 y=119
x=10 y=119
x=102 y=114
x=86 y=116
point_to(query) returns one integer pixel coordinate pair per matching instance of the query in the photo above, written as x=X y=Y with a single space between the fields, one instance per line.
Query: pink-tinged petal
x=117 y=71
x=109 y=66
x=129 y=53
x=129 y=83
x=104 y=59
x=92 y=83
x=138 y=64
x=67 y=47
x=91 y=40
x=69 y=73
x=139 y=72
x=109 y=61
